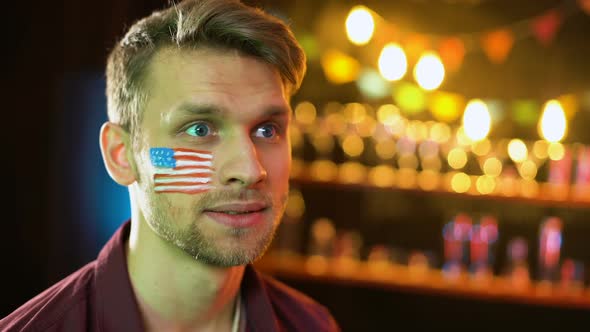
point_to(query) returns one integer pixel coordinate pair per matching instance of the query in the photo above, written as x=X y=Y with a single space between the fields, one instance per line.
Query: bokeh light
x=457 y=158
x=409 y=97
x=476 y=120
x=429 y=72
x=353 y=145
x=492 y=167
x=393 y=63
x=460 y=182
x=556 y=151
x=517 y=150
x=485 y=184
x=360 y=25
x=305 y=113
x=382 y=176
x=553 y=124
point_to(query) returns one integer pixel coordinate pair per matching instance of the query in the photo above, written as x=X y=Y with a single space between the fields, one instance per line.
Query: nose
x=238 y=162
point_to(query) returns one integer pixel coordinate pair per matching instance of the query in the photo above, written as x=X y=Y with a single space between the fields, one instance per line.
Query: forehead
x=226 y=79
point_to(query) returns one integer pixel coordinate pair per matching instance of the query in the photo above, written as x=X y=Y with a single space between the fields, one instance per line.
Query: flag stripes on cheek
x=181 y=170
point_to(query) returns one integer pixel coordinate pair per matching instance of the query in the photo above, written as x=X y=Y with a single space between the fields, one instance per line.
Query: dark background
x=54 y=54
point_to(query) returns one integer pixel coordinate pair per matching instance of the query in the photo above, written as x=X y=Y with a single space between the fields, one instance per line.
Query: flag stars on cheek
x=181 y=170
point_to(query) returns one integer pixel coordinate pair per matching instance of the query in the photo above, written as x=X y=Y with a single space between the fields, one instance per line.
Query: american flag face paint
x=180 y=170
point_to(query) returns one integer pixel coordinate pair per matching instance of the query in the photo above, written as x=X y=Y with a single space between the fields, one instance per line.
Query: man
x=198 y=105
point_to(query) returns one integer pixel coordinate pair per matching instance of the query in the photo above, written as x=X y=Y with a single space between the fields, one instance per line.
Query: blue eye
x=200 y=129
x=266 y=131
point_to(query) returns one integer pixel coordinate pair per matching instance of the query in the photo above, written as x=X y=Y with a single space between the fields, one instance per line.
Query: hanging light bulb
x=553 y=124
x=476 y=120
x=429 y=72
x=360 y=25
x=393 y=63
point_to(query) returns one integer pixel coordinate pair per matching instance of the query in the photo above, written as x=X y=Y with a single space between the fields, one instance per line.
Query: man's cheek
x=179 y=170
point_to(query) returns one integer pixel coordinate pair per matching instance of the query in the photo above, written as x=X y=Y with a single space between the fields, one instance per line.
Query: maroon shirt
x=99 y=297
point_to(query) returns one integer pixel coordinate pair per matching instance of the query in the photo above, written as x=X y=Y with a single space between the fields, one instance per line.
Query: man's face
x=234 y=109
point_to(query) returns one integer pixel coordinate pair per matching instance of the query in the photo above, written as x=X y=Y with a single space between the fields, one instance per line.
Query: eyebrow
x=210 y=109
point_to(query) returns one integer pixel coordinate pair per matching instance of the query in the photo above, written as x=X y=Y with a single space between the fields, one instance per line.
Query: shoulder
x=294 y=306
x=53 y=304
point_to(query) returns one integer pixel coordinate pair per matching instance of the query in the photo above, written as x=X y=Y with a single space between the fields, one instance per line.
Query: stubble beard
x=192 y=239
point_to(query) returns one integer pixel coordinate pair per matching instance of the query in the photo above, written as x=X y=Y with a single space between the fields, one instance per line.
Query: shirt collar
x=260 y=315
x=117 y=308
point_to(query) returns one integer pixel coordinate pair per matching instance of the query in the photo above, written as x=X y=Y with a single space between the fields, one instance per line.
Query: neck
x=174 y=291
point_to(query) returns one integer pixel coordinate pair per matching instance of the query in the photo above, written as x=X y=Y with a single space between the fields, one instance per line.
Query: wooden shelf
x=420 y=280
x=546 y=197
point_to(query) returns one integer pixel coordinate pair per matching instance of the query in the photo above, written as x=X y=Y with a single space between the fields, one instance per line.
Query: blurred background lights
x=492 y=167
x=428 y=180
x=446 y=107
x=429 y=72
x=382 y=176
x=305 y=113
x=322 y=142
x=295 y=204
x=409 y=97
x=517 y=150
x=388 y=114
x=457 y=158
x=417 y=130
x=428 y=149
x=540 y=149
x=440 y=132
x=485 y=184
x=372 y=85
x=476 y=120
x=393 y=63
x=431 y=163
x=528 y=170
x=385 y=149
x=496 y=110
x=556 y=151
x=353 y=145
x=460 y=182
x=360 y=25
x=354 y=113
x=352 y=172
x=366 y=128
x=553 y=124
x=481 y=148
x=408 y=161
x=339 y=68
x=296 y=137
x=323 y=170
x=525 y=112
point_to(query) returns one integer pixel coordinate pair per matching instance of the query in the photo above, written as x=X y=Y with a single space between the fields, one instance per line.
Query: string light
x=360 y=25
x=429 y=72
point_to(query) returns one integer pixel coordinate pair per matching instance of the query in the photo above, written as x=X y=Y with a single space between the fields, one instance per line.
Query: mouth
x=238 y=215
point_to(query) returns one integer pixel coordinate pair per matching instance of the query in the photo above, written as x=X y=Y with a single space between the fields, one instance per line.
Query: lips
x=238 y=215
x=238 y=208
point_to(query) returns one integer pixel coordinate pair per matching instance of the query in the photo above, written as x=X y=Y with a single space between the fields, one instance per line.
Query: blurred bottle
x=582 y=176
x=347 y=249
x=379 y=261
x=572 y=277
x=560 y=174
x=418 y=265
x=321 y=245
x=322 y=238
x=517 y=269
x=482 y=240
x=456 y=245
x=550 y=241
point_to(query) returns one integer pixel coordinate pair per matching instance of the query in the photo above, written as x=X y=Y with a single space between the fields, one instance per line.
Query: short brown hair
x=226 y=24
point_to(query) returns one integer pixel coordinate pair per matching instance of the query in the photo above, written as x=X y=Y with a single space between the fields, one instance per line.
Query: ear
x=115 y=146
